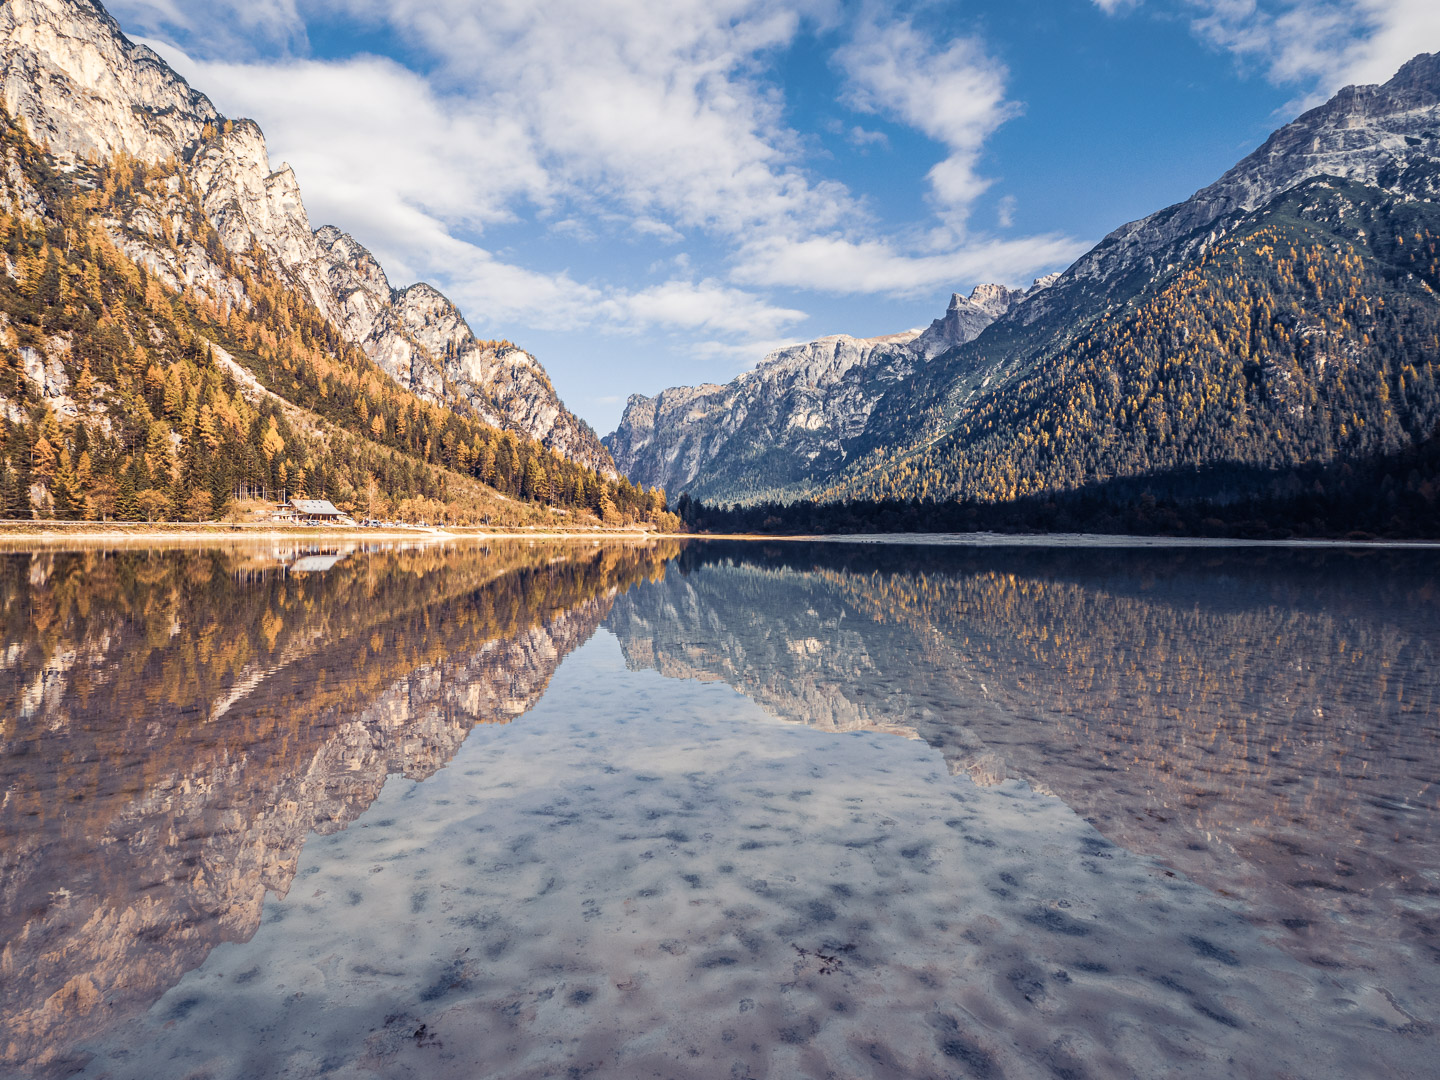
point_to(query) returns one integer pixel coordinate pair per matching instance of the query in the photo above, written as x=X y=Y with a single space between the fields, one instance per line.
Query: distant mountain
x=1282 y=320
x=1306 y=336
x=967 y=317
x=1282 y=317
x=83 y=89
x=789 y=421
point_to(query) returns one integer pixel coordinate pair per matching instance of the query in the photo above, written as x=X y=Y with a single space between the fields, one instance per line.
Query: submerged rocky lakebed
x=719 y=810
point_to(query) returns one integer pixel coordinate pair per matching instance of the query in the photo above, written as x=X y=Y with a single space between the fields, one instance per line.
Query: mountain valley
x=176 y=338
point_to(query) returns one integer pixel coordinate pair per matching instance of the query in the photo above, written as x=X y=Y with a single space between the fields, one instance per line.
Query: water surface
x=726 y=810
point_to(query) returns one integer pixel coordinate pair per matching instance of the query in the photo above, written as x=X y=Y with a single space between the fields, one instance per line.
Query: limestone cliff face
x=85 y=89
x=423 y=341
x=497 y=380
x=76 y=82
x=791 y=419
x=769 y=427
x=967 y=317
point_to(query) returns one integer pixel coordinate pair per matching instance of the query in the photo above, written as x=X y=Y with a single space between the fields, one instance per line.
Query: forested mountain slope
x=79 y=87
x=1307 y=334
x=1273 y=336
x=146 y=371
x=1386 y=138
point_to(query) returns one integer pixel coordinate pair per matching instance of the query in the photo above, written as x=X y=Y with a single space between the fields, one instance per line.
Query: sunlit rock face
x=207 y=712
x=421 y=340
x=84 y=88
x=967 y=317
x=792 y=420
x=787 y=419
x=87 y=92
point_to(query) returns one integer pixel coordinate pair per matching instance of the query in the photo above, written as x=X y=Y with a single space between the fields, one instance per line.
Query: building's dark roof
x=315 y=507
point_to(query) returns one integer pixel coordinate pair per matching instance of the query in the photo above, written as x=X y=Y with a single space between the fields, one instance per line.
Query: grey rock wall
x=81 y=87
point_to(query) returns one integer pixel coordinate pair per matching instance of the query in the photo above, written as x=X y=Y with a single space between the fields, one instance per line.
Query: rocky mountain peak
x=994 y=300
x=1420 y=74
x=343 y=250
x=796 y=410
x=82 y=88
x=966 y=318
x=1386 y=136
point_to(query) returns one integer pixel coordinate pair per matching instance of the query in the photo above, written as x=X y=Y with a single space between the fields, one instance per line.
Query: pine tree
x=64 y=489
x=9 y=492
x=126 y=508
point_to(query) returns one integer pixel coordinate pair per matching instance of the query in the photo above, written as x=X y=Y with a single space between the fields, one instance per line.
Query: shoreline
x=1092 y=540
x=51 y=532
x=48 y=532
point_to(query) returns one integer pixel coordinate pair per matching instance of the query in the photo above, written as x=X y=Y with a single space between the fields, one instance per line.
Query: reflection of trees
x=176 y=723
x=1269 y=722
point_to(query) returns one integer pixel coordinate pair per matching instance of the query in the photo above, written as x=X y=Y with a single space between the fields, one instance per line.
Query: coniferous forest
x=1283 y=382
x=171 y=405
x=1286 y=382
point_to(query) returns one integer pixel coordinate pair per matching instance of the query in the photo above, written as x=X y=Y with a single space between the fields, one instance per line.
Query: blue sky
x=649 y=193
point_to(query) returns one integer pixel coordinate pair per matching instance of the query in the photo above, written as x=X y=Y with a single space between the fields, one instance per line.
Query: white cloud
x=1321 y=44
x=840 y=265
x=502 y=293
x=656 y=106
x=494 y=293
x=228 y=26
x=448 y=165
x=1005 y=212
x=648 y=226
x=707 y=306
x=1110 y=7
x=374 y=143
x=658 y=119
x=861 y=137
x=954 y=94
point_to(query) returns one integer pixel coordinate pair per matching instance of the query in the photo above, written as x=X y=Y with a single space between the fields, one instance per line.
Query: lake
x=720 y=809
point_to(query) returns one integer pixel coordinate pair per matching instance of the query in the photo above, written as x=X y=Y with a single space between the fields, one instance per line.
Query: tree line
x=157 y=416
x=1309 y=336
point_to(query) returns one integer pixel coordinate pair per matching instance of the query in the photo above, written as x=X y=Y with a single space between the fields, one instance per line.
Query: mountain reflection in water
x=173 y=724
x=1266 y=721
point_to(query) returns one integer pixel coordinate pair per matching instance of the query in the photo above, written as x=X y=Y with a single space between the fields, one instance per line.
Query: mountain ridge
x=84 y=89
x=790 y=417
x=976 y=420
x=147 y=370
